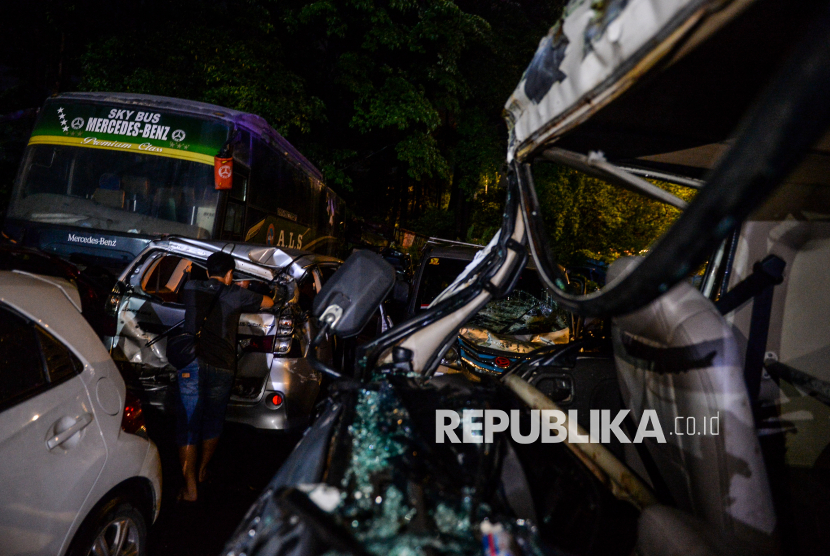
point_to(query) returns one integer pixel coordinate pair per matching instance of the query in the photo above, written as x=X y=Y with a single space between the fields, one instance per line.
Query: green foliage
x=587 y=218
x=227 y=56
x=398 y=102
x=422 y=155
x=487 y=216
x=396 y=70
x=435 y=222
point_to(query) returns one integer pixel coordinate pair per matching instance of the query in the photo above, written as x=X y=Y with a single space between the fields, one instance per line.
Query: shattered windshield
x=527 y=310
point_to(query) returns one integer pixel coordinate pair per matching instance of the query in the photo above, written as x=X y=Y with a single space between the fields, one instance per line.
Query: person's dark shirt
x=217 y=343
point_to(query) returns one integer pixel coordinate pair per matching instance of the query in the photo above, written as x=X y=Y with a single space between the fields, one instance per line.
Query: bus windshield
x=124 y=191
x=111 y=166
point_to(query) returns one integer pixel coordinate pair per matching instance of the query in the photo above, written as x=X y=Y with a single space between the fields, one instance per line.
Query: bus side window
x=242 y=148
x=239 y=189
x=234 y=216
x=166 y=278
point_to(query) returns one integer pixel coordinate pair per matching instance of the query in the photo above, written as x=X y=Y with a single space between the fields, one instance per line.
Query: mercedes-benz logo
x=178 y=135
x=225 y=172
x=77 y=123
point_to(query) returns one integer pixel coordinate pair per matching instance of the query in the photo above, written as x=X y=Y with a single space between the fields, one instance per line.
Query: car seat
x=679 y=357
x=109 y=192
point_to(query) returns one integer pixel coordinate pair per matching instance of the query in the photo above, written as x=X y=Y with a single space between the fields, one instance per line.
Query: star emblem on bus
x=62 y=118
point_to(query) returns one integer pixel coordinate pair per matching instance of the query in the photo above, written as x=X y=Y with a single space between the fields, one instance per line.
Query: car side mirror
x=353 y=293
x=401 y=292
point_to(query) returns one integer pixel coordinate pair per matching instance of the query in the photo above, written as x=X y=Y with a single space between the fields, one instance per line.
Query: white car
x=78 y=474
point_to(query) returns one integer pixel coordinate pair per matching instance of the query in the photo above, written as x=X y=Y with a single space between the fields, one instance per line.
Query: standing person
x=214 y=305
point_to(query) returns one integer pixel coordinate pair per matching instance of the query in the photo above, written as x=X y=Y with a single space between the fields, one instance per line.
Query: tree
x=588 y=218
x=226 y=53
x=397 y=101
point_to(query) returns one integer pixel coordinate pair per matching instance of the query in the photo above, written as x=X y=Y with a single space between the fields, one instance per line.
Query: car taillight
x=114 y=299
x=275 y=399
x=285 y=325
x=132 y=421
x=258 y=343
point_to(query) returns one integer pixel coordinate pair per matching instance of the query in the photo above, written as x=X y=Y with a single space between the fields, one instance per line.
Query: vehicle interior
x=621 y=90
x=751 y=346
x=166 y=277
x=751 y=350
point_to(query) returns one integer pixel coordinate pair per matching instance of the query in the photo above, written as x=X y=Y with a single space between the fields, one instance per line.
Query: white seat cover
x=678 y=356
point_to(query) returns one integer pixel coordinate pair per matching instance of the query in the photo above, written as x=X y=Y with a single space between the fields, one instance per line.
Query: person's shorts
x=204 y=391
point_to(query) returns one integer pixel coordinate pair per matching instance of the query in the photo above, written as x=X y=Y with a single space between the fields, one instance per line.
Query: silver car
x=78 y=471
x=275 y=387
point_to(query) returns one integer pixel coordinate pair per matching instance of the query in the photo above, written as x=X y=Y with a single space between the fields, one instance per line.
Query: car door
x=51 y=446
x=153 y=305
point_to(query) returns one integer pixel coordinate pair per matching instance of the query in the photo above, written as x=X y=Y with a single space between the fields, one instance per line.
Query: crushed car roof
x=258 y=260
x=654 y=61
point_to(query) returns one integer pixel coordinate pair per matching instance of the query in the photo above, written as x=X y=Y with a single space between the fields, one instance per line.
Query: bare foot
x=186 y=496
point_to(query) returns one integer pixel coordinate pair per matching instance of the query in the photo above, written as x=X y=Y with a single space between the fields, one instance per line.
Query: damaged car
x=725 y=388
x=512 y=331
x=275 y=387
x=505 y=331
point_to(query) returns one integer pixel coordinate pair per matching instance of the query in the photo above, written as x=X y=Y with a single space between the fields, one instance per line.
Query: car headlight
x=451 y=359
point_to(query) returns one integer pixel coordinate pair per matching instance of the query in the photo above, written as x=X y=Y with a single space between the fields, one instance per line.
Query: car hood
x=525 y=343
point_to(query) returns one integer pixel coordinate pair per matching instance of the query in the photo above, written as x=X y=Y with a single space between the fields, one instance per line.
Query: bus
x=105 y=173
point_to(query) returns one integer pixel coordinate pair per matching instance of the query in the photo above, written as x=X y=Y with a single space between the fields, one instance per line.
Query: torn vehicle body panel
x=383 y=421
x=504 y=330
x=385 y=486
x=275 y=387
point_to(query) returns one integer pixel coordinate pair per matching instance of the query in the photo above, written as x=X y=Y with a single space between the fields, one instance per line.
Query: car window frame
x=144 y=270
x=147 y=274
x=48 y=383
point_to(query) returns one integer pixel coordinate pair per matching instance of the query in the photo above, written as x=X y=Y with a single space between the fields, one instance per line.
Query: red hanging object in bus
x=223 y=172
